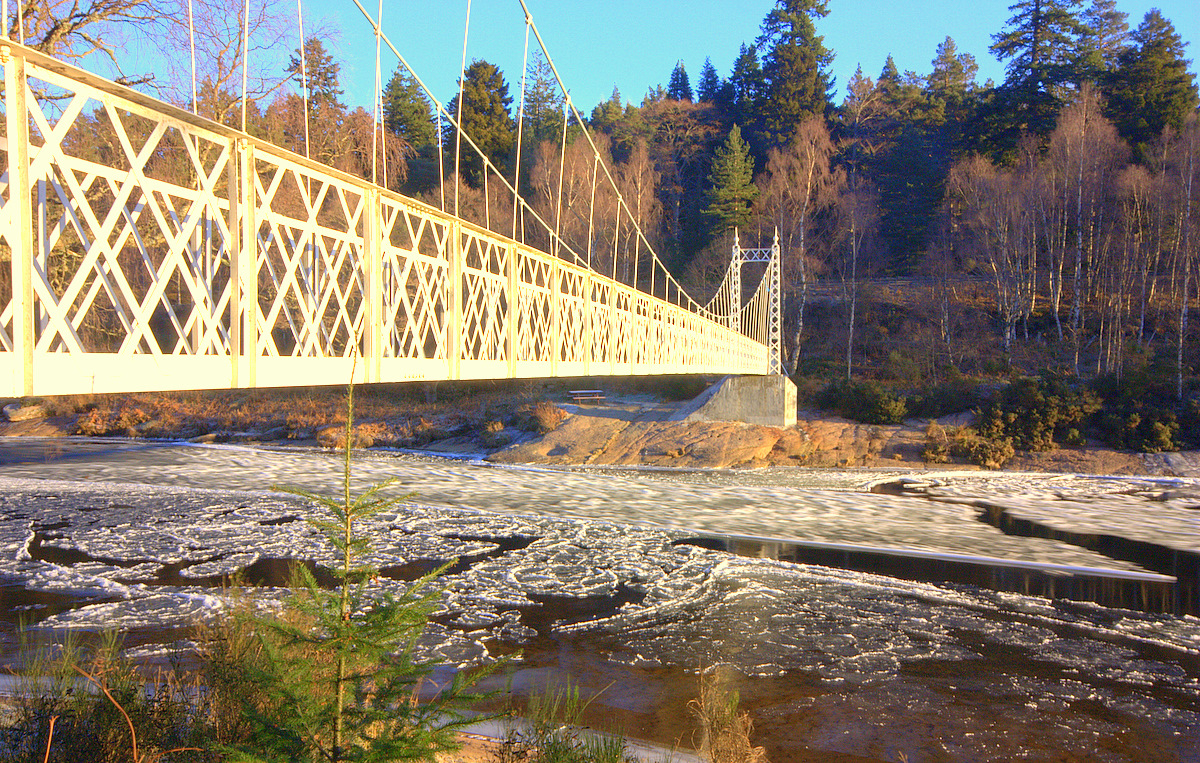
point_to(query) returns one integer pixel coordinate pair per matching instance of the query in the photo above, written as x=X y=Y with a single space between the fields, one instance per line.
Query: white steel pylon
x=773 y=279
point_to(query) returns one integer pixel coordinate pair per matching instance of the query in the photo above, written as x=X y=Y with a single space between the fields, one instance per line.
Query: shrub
x=1153 y=430
x=724 y=731
x=554 y=733
x=1036 y=413
x=541 y=417
x=867 y=402
x=1141 y=413
x=953 y=396
x=902 y=367
x=76 y=703
x=988 y=452
x=937 y=445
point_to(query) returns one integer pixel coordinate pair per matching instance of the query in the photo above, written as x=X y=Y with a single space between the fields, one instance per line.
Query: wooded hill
x=932 y=226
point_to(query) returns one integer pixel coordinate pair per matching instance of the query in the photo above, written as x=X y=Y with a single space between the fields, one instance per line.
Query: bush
x=541 y=417
x=77 y=703
x=954 y=396
x=1036 y=413
x=724 y=730
x=867 y=402
x=990 y=453
x=1141 y=413
x=1153 y=430
x=937 y=445
x=554 y=733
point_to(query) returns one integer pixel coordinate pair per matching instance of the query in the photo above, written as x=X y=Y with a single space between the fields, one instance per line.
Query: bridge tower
x=773 y=279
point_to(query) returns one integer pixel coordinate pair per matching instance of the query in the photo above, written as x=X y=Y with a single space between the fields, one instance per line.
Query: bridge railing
x=144 y=248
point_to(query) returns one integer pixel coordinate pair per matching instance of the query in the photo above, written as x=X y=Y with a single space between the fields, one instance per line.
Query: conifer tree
x=709 y=86
x=1152 y=87
x=485 y=118
x=795 y=67
x=543 y=113
x=679 y=88
x=1104 y=37
x=1040 y=46
x=731 y=198
x=747 y=85
x=320 y=72
x=406 y=110
x=607 y=113
x=337 y=683
x=952 y=77
x=889 y=76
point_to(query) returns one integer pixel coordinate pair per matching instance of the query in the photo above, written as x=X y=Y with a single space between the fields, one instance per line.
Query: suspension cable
x=579 y=118
x=462 y=86
x=21 y=21
x=562 y=165
x=5 y=20
x=592 y=210
x=245 y=58
x=439 y=107
x=376 y=102
x=379 y=97
x=191 y=39
x=616 y=239
x=520 y=130
x=443 y=113
x=441 y=160
x=303 y=74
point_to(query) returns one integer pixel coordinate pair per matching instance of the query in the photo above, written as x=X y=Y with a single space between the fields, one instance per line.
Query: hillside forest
x=1028 y=247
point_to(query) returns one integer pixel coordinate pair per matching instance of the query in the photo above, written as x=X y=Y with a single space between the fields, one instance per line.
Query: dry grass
x=87 y=703
x=541 y=417
x=387 y=415
x=724 y=730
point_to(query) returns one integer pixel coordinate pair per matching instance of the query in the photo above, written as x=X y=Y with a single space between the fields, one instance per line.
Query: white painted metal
x=187 y=255
x=772 y=321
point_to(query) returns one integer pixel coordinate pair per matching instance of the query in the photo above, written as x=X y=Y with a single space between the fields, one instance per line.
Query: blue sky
x=634 y=44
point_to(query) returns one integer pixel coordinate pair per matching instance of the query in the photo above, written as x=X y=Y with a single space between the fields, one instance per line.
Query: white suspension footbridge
x=143 y=247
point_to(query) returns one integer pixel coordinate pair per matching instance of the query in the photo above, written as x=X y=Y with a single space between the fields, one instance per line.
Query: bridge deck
x=196 y=256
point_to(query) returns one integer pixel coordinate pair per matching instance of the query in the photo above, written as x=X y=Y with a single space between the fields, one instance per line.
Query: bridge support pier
x=766 y=400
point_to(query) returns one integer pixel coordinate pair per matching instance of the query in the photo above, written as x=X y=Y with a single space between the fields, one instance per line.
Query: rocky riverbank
x=624 y=429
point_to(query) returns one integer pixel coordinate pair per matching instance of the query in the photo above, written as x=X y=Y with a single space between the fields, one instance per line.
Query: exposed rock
x=362 y=436
x=55 y=426
x=609 y=442
x=17 y=412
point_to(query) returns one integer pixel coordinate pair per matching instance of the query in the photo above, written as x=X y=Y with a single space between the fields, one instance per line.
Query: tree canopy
x=732 y=193
x=485 y=118
x=1151 y=87
x=407 y=111
x=795 y=67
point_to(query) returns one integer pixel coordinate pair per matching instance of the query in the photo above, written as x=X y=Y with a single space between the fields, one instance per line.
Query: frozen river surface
x=585 y=572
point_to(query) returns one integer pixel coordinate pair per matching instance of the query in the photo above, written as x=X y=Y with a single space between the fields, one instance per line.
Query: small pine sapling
x=335 y=676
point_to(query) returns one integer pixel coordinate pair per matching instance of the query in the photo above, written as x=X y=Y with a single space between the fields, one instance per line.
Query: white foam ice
x=539 y=570
x=157 y=610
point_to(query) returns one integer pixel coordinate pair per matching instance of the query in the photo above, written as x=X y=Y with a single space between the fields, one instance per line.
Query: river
x=623 y=581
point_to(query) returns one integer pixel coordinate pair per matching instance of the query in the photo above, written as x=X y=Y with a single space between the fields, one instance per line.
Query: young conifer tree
x=731 y=199
x=337 y=679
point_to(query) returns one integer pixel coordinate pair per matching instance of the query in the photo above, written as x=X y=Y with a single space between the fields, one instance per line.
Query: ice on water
x=544 y=554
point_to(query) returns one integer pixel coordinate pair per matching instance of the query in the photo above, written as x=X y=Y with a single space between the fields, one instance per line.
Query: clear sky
x=634 y=44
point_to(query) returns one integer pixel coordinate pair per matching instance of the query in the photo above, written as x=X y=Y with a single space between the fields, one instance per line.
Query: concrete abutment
x=765 y=400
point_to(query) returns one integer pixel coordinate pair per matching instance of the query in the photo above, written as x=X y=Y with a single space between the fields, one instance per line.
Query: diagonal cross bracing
x=196 y=256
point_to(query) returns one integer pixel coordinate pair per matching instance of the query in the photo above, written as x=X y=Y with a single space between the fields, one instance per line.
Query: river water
x=622 y=580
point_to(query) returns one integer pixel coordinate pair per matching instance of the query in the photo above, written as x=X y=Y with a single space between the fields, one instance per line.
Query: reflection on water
x=1146 y=592
x=941 y=658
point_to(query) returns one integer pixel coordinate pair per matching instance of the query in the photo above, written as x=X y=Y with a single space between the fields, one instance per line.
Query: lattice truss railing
x=144 y=248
